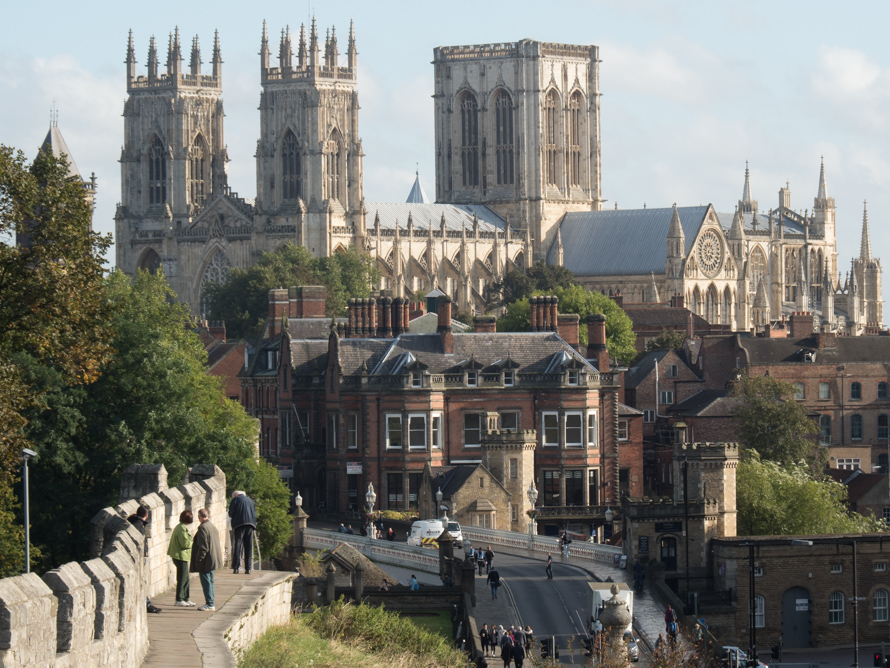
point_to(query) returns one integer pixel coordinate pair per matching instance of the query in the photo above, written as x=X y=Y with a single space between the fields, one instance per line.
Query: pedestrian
x=483 y=638
x=698 y=636
x=518 y=654
x=242 y=510
x=390 y=535
x=659 y=644
x=342 y=528
x=549 y=566
x=180 y=551
x=673 y=630
x=138 y=520
x=494 y=638
x=413 y=585
x=507 y=650
x=480 y=559
x=489 y=557
x=669 y=616
x=500 y=636
x=206 y=557
x=528 y=638
x=350 y=530
x=494 y=579
x=566 y=541
x=519 y=636
x=378 y=535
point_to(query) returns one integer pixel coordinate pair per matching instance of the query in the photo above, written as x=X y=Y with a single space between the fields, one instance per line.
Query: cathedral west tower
x=517 y=129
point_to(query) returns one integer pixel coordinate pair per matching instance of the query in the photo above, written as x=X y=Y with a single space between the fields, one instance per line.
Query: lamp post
x=752 y=616
x=439 y=506
x=532 y=500
x=855 y=603
x=298 y=501
x=27 y=454
x=370 y=498
x=609 y=515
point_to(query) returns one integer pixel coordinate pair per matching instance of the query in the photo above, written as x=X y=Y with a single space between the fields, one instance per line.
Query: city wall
x=94 y=612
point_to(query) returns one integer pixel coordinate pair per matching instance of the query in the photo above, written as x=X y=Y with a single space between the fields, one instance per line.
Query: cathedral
x=518 y=179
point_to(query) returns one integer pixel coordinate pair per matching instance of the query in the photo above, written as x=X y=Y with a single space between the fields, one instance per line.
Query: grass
x=438 y=622
x=344 y=634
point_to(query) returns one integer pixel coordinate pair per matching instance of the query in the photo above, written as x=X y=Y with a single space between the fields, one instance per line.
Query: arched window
x=334 y=165
x=157 y=172
x=198 y=171
x=882 y=391
x=836 y=608
x=883 y=427
x=151 y=261
x=757 y=267
x=712 y=314
x=879 y=606
x=825 y=429
x=856 y=427
x=551 y=137
x=217 y=272
x=503 y=121
x=291 y=169
x=576 y=105
x=469 y=140
x=759 y=611
x=855 y=391
x=800 y=391
x=726 y=308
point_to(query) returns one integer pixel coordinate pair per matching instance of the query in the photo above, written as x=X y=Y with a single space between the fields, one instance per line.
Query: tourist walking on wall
x=518 y=654
x=566 y=541
x=206 y=557
x=489 y=557
x=139 y=520
x=480 y=559
x=549 y=566
x=242 y=510
x=494 y=579
x=483 y=639
x=180 y=551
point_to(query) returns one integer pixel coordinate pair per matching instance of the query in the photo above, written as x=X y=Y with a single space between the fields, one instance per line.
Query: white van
x=425 y=533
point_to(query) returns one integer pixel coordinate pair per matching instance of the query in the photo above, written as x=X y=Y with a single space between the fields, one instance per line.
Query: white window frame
x=649 y=416
x=479 y=443
x=351 y=431
x=879 y=605
x=472 y=378
x=824 y=391
x=800 y=391
x=436 y=430
x=509 y=378
x=666 y=397
x=593 y=435
x=413 y=431
x=625 y=430
x=880 y=566
x=388 y=431
x=837 y=568
x=836 y=608
x=574 y=376
x=579 y=443
x=416 y=379
x=545 y=416
x=759 y=611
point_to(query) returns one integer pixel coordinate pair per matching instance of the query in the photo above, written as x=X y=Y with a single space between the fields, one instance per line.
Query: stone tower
x=517 y=129
x=510 y=456
x=309 y=155
x=711 y=475
x=174 y=155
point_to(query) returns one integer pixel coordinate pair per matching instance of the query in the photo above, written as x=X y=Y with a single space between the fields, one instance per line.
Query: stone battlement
x=93 y=612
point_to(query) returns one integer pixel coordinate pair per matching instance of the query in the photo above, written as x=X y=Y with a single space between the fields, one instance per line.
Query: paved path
x=171 y=632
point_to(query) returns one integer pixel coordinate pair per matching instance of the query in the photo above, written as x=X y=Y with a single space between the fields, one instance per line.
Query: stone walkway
x=171 y=633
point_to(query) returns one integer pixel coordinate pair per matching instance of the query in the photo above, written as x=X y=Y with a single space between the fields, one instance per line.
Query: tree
x=784 y=499
x=541 y=278
x=620 y=336
x=242 y=302
x=669 y=339
x=768 y=419
x=51 y=304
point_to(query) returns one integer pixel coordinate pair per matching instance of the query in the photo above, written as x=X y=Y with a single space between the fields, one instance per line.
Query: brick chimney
x=677 y=301
x=387 y=317
x=218 y=329
x=618 y=299
x=278 y=306
x=484 y=324
x=444 y=328
x=801 y=324
x=554 y=312
x=823 y=340
x=372 y=317
x=596 y=341
x=533 y=313
x=306 y=301
x=569 y=328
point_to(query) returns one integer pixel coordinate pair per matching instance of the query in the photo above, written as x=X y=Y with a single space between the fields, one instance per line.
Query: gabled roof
x=706 y=403
x=644 y=368
x=417 y=194
x=846 y=349
x=624 y=409
x=457 y=216
x=857 y=482
x=54 y=143
x=662 y=315
x=350 y=557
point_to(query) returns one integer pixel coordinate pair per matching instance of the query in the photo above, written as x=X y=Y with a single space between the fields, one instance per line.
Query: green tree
x=784 y=499
x=272 y=499
x=620 y=336
x=541 y=278
x=669 y=339
x=768 y=419
x=242 y=302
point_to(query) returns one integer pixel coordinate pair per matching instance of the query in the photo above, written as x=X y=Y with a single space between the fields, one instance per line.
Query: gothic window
x=757 y=266
x=576 y=104
x=726 y=310
x=712 y=305
x=216 y=273
x=469 y=140
x=198 y=171
x=157 y=172
x=503 y=109
x=334 y=166
x=792 y=267
x=551 y=137
x=151 y=261
x=291 y=169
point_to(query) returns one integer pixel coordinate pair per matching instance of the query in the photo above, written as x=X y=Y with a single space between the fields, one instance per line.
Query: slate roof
x=637 y=373
x=624 y=409
x=417 y=194
x=428 y=323
x=457 y=216
x=791 y=226
x=55 y=143
x=847 y=349
x=450 y=479
x=662 y=315
x=373 y=574
x=312 y=328
x=857 y=482
x=706 y=403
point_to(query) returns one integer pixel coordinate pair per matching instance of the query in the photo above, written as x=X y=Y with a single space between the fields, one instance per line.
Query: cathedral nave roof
x=457 y=216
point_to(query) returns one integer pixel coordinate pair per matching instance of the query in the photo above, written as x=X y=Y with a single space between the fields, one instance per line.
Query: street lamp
x=298 y=501
x=609 y=515
x=370 y=498
x=27 y=454
x=852 y=544
x=532 y=514
x=440 y=506
x=752 y=615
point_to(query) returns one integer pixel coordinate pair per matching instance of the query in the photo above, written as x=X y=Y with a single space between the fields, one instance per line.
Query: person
x=489 y=557
x=378 y=535
x=138 y=520
x=471 y=553
x=384 y=586
x=506 y=650
x=364 y=530
x=413 y=585
x=495 y=637
x=660 y=642
x=518 y=654
x=549 y=566
x=206 y=557
x=390 y=535
x=528 y=638
x=494 y=579
x=342 y=528
x=566 y=541
x=242 y=510
x=180 y=551
x=350 y=530
x=480 y=559
x=483 y=638
x=673 y=630
x=697 y=635
x=518 y=636
x=669 y=616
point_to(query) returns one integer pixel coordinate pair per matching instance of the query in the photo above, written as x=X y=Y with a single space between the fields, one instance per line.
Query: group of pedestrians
x=484 y=559
x=511 y=645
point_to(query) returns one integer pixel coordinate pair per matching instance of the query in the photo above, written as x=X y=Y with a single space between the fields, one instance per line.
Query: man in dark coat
x=242 y=510
x=206 y=557
x=139 y=520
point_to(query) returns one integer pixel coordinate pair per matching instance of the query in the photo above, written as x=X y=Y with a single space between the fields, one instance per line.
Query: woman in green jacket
x=180 y=551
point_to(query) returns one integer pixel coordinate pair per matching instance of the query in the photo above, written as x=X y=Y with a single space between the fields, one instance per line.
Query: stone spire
x=174 y=55
x=652 y=297
x=284 y=49
x=327 y=47
x=313 y=46
x=217 y=57
x=131 y=59
x=301 y=53
x=865 y=244
x=747 y=204
x=152 y=59
x=264 y=49
x=675 y=232
x=195 y=60
x=823 y=190
x=351 y=53
x=335 y=53
x=560 y=251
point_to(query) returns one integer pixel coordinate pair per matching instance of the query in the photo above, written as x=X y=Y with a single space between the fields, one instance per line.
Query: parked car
x=633 y=650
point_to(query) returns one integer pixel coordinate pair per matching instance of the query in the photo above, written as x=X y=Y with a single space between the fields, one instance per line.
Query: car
x=633 y=650
x=454 y=530
x=735 y=656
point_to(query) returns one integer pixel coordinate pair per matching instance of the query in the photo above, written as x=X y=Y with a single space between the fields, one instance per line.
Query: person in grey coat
x=242 y=510
x=206 y=557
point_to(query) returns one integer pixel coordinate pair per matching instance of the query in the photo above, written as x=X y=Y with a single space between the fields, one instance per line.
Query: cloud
x=841 y=71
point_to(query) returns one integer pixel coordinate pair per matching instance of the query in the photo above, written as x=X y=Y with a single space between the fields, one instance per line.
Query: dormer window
x=508 y=379
x=573 y=376
x=416 y=379
x=472 y=379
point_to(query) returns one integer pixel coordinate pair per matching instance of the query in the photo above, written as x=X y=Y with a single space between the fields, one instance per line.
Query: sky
x=690 y=90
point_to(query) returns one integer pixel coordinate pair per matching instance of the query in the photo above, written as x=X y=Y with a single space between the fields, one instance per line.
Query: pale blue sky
x=690 y=90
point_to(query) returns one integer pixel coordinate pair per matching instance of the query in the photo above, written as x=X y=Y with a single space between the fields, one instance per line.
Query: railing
x=604 y=554
x=713 y=599
x=547 y=512
x=377 y=549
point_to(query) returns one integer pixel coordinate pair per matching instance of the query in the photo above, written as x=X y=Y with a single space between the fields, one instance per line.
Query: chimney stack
x=387 y=317
x=484 y=324
x=444 y=327
x=278 y=305
x=554 y=312
x=596 y=341
x=569 y=328
x=533 y=313
x=801 y=324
